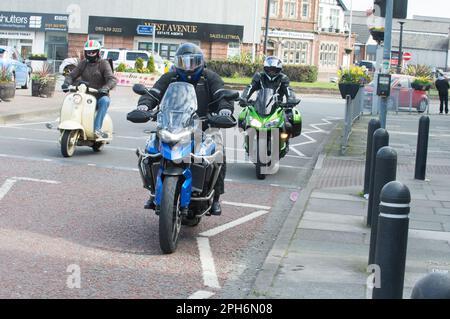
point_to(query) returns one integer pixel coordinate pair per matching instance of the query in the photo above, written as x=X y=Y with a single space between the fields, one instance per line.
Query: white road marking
x=6 y=187
x=237 y=222
x=208 y=267
x=300 y=154
x=319 y=162
x=27 y=179
x=201 y=294
x=9 y=183
x=25 y=124
x=246 y=205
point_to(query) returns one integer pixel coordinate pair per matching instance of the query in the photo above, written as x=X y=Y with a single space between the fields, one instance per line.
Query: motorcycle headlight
x=255 y=123
x=77 y=99
x=273 y=123
x=168 y=137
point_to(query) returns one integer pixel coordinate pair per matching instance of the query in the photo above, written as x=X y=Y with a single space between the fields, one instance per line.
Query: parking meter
x=384 y=85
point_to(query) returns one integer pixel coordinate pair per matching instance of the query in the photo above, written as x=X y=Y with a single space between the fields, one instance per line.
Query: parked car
x=401 y=94
x=370 y=65
x=118 y=56
x=11 y=59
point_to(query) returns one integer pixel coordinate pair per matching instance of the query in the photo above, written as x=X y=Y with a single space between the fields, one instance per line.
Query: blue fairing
x=152 y=146
x=178 y=152
x=186 y=189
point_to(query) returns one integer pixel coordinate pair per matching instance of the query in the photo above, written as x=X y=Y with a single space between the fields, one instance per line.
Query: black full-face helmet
x=272 y=67
x=189 y=62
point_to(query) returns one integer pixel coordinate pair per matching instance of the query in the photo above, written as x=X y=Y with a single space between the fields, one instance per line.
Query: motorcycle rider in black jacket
x=271 y=78
x=189 y=65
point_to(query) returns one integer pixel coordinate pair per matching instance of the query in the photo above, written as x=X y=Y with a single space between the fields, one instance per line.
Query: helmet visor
x=188 y=62
x=272 y=62
x=272 y=71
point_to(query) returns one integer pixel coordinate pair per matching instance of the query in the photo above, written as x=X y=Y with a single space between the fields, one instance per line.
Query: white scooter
x=77 y=121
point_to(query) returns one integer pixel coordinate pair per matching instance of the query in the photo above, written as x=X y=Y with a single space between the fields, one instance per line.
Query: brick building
x=309 y=32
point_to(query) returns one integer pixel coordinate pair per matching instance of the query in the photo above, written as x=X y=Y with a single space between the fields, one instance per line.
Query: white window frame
x=328 y=54
x=290 y=9
x=274 y=7
x=306 y=3
x=233 y=50
x=295 y=52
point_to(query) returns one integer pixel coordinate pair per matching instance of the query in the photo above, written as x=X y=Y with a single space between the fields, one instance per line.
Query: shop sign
x=166 y=29
x=22 y=35
x=291 y=35
x=33 y=21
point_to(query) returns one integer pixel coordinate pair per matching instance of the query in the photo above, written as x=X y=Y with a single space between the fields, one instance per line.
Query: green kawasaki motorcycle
x=268 y=125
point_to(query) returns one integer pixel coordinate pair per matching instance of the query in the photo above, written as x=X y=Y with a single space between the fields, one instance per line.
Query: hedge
x=297 y=73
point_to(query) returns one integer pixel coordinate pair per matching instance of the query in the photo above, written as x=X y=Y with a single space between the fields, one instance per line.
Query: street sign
x=407 y=56
x=144 y=30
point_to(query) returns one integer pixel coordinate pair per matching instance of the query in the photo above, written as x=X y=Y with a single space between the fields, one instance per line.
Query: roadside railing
x=353 y=111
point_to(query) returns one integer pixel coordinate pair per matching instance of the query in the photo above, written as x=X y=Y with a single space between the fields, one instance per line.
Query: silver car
x=13 y=62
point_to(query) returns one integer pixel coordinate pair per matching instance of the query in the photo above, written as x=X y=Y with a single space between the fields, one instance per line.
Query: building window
x=321 y=21
x=147 y=46
x=305 y=9
x=234 y=50
x=328 y=54
x=334 y=18
x=295 y=52
x=97 y=37
x=274 y=8
x=290 y=8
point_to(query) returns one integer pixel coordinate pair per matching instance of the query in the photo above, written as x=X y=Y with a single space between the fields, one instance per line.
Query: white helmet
x=272 y=67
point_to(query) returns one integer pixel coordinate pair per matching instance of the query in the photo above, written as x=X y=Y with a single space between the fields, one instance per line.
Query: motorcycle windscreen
x=265 y=101
x=177 y=107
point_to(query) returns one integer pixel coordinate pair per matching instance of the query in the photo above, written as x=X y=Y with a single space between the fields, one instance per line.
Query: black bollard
x=432 y=286
x=392 y=240
x=385 y=172
x=374 y=125
x=422 y=148
x=380 y=139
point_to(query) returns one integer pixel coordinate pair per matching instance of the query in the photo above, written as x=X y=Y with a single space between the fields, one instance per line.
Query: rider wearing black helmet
x=189 y=65
x=271 y=78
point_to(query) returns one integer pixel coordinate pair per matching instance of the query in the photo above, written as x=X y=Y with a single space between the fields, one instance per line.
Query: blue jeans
x=102 y=108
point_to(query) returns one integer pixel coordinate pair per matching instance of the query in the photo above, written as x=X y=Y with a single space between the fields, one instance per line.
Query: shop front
x=35 y=33
x=214 y=39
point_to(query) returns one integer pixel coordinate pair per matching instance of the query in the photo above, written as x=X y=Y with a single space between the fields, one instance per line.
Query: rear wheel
x=191 y=222
x=68 y=142
x=169 y=215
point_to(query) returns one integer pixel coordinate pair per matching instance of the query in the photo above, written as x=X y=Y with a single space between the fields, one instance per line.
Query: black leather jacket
x=206 y=89
x=280 y=84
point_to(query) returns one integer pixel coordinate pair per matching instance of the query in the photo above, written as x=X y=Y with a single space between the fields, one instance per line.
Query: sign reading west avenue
x=33 y=21
x=166 y=29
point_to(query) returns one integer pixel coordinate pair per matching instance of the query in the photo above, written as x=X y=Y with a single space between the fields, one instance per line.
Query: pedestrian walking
x=442 y=86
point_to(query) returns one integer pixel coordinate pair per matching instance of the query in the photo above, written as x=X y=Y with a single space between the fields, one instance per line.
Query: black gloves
x=65 y=87
x=147 y=100
x=103 y=91
x=243 y=102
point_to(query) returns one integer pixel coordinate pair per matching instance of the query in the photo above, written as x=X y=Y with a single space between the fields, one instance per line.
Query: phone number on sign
x=108 y=29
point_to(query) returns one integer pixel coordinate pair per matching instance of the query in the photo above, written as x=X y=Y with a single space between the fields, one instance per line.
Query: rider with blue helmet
x=189 y=66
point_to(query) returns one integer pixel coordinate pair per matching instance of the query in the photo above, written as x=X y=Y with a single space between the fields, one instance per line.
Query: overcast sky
x=434 y=8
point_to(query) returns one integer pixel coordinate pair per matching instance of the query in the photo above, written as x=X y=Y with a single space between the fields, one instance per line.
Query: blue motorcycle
x=181 y=163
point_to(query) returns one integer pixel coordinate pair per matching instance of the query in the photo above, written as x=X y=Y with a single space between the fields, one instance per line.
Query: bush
x=139 y=64
x=297 y=73
x=419 y=71
x=151 y=64
x=121 y=67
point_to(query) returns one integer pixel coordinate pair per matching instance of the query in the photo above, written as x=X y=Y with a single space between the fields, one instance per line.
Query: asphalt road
x=84 y=216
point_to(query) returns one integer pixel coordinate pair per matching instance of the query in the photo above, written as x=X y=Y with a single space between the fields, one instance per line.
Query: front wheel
x=68 y=142
x=169 y=215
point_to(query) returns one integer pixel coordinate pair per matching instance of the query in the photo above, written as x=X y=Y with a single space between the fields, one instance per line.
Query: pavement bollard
x=422 y=148
x=385 y=172
x=432 y=286
x=380 y=139
x=374 y=124
x=392 y=240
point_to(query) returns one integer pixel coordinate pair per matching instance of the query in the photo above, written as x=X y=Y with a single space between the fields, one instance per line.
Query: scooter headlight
x=77 y=99
x=255 y=123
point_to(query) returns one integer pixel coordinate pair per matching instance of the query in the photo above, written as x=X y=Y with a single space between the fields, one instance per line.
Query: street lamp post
x=266 y=33
x=400 y=49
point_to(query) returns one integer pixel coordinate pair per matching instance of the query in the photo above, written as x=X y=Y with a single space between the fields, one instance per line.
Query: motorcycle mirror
x=139 y=89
